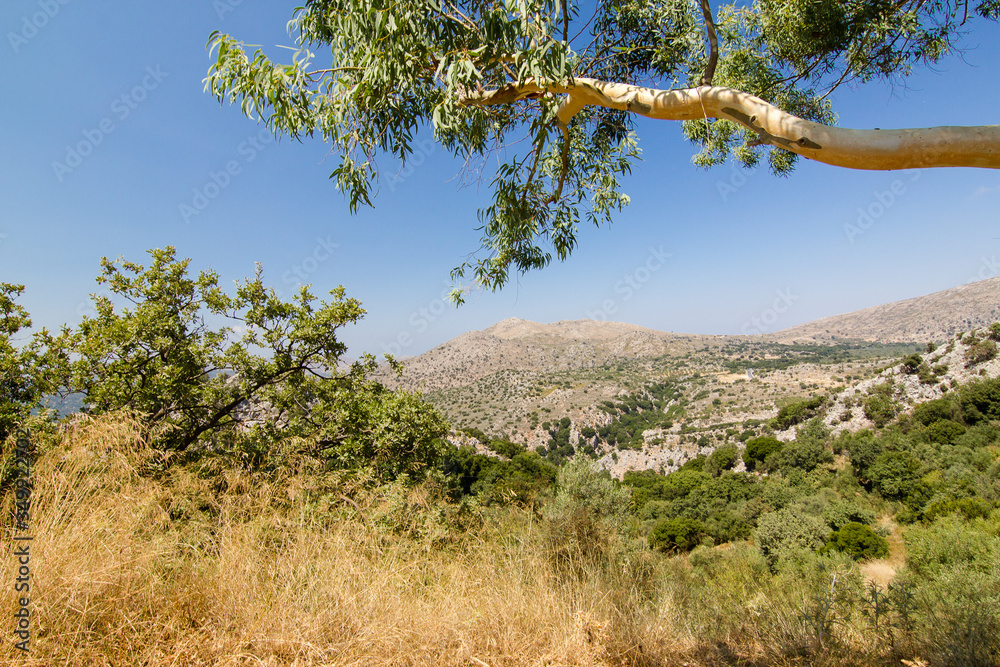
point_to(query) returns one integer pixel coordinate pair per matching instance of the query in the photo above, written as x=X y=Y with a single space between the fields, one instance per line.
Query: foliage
x=858 y=541
x=796 y=413
x=723 y=458
x=586 y=517
x=779 y=533
x=652 y=406
x=950 y=542
x=806 y=453
x=368 y=78
x=758 y=449
x=522 y=480
x=980 y=352
x=678 y=534
x=26 y=371
x=980 y=401
x=895 y=474
x=158 y=356
x=880 y=406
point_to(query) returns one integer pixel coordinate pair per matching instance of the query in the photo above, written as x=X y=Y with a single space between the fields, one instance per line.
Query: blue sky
x=720 y=252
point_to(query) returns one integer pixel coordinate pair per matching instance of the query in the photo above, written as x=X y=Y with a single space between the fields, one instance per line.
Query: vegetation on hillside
x=253 y=497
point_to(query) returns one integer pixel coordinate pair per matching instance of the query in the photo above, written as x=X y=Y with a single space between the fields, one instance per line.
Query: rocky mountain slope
x=934 y=317
x=519 y=380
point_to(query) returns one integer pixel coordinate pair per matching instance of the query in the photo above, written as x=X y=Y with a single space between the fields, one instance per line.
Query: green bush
x=950 y=541
x=934 y=411
x=585 y=522
x=858 y=541
x=790 y=529
x=839 y=513
x=944 y=431
x=895 y=474
x=757 y=450
x=980 y=352
x=677 y=534
x=796 y=413
x=880 y=406
x=723 y=458
x=26 y=372
x=970 y=508
x=980 y=401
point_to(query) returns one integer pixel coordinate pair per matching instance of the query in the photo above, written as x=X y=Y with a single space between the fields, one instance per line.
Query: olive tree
x=27 y=368
x=553 y=87
x=188 y=356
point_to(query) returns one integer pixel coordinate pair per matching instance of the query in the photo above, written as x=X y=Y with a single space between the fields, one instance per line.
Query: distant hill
x=521 y=345
x=516 y=344
x=935 y=317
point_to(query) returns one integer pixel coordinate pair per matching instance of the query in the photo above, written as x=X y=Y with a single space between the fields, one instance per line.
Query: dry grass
x=131 y=568
x=132 y=565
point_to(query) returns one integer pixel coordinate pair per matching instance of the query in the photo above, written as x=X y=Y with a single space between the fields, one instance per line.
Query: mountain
x=521 y=380
x=935 y=317
x=521 y=345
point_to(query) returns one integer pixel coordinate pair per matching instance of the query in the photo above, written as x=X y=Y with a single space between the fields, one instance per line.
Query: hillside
x=519 y=379
x=934 y=317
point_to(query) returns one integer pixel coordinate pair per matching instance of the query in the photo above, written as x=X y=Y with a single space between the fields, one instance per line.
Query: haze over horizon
x=111 y=147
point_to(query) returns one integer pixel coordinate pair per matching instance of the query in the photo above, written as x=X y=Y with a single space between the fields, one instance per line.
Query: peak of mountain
x=516 y=344
x=934 y=317
x=514 y=328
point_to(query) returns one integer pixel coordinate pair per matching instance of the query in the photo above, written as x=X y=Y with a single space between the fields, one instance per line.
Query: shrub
x=796 y=413
x=950 y=542
x=25 y=372
x=895 y=474
x=858 y=541
x=944 y=432
x=980 y=401
x=780 y=532
x=839 y=513
x=757 y=450
x=880 y=406
x=723 y=458
x=934 y=411
x=586 y=519
x=677 y=534
x=980 y=352
x=970 y=508
x=805 y=456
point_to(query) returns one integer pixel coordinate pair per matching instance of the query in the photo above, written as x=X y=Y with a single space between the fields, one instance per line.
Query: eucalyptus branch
x=713 y=44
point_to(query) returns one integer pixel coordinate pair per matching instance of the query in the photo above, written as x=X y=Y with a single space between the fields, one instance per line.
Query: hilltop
x=519 y=379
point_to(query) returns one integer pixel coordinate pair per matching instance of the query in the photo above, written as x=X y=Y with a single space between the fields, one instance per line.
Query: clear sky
x=109 y=143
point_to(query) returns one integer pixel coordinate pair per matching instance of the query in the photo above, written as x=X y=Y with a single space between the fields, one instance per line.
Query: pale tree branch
x=854 y=149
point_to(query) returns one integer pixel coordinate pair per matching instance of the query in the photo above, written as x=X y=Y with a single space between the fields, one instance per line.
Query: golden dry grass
x=133 y=568
x=139 y=563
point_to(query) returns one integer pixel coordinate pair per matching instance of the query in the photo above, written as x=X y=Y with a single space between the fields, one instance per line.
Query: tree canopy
x=552 y=87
